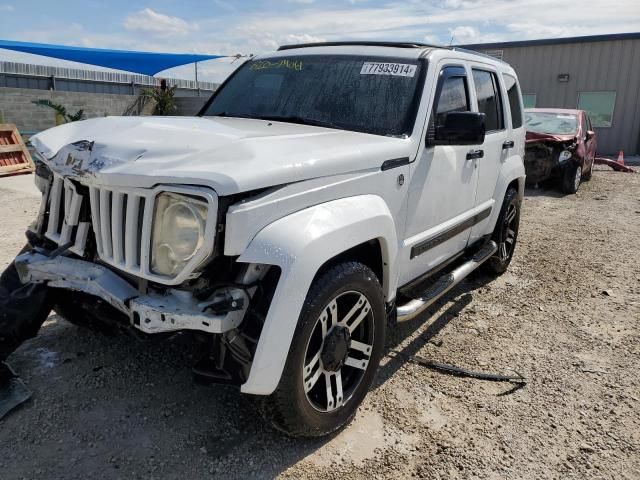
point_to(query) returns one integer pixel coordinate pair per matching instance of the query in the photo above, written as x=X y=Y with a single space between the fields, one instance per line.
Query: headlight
x=178 y=232
x=564 y=156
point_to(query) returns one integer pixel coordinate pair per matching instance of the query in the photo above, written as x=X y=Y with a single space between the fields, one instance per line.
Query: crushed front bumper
x=151 y=312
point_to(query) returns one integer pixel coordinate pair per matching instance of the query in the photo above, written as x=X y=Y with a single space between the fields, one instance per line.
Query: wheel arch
x=302 y=245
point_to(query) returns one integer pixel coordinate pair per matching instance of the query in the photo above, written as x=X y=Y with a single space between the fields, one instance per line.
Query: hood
x=231 y=155
x=548 y=137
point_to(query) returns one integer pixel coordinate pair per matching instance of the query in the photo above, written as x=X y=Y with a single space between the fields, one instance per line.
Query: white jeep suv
x=322 y=190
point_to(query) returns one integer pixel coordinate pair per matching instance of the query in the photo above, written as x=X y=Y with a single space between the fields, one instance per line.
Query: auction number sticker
x=396 y=69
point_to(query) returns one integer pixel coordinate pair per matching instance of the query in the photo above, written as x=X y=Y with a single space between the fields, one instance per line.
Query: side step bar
x=445 y=283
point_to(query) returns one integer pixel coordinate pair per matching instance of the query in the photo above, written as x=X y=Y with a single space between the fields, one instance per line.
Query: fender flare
x=512 y=169
x=300 y=244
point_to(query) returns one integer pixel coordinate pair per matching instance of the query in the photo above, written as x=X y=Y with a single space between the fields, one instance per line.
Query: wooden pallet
x=14 y=155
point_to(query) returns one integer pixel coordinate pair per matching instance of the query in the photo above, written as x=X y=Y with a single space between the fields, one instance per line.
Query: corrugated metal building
x=599 y=74
x=42 y=77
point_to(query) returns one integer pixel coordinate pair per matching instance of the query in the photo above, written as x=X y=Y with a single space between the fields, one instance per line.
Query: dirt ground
x=565 y=316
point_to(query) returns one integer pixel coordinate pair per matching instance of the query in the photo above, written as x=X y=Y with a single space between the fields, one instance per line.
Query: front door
x=442 y=190
x=498 y=141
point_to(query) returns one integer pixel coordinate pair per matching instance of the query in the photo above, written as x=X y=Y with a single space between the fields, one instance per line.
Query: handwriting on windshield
x=284 y=63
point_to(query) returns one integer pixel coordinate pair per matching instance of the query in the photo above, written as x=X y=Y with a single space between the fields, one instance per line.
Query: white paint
x=325 y=190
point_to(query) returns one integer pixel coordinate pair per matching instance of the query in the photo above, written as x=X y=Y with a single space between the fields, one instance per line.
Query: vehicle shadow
x=398 y=353
x=127 y=409
x=137 y=403
x=544 y=190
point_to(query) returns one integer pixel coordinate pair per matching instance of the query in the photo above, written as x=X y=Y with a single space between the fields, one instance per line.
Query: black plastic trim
x=363 y=43
x=426 y=245
x=394 y=163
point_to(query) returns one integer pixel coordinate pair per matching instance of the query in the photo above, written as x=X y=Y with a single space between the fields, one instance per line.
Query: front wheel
x=334 y=354
x=586 y=176
x=572 y=178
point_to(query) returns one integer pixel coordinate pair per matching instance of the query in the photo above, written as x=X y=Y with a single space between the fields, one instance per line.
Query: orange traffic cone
x=621 y=157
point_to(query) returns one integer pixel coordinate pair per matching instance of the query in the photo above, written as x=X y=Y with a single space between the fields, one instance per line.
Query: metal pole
x=197 y=84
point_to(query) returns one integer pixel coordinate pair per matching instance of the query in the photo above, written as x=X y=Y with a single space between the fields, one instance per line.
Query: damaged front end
x=546 y=156
x=96 y=256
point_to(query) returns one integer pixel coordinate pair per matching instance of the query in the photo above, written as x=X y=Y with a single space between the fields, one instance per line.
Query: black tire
x=586 y=176
x=298 y=412
x=505 y=235
x=571 y=178
x=81 y=318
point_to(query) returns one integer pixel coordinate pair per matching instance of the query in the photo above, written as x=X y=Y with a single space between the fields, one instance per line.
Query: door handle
x=508 y=144
x=471 y=154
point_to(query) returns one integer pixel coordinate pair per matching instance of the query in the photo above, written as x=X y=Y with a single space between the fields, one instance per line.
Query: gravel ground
x=565 y=316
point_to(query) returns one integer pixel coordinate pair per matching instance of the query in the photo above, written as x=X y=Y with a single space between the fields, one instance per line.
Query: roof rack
x=361 y=43
x=475 y=52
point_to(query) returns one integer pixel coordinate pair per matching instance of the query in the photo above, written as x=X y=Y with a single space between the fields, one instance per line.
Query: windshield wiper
x=300 y=120
x=235 y=115
x=281 y=118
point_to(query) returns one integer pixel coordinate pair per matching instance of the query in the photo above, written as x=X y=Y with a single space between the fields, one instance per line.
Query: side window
x=489 y=99
x=454 y=97
x=513 y=93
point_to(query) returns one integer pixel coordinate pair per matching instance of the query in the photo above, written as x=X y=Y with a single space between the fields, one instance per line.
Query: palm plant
x=61 y=111
x=163 y=97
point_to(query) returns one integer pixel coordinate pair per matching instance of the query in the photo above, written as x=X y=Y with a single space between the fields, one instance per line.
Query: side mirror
x=461 y=128
x=590 y=135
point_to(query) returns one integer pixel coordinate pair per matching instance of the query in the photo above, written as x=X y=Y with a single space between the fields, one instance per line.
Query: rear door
x=497 y=141
x=442 y=190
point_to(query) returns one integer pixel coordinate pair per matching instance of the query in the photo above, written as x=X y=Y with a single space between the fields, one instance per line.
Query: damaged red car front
x=560 y=145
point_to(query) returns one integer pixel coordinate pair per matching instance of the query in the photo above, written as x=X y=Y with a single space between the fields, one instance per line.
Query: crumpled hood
x=536 y=137
x=231 y=155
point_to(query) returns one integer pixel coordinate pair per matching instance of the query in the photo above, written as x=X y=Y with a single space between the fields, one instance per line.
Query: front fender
x=300 y=244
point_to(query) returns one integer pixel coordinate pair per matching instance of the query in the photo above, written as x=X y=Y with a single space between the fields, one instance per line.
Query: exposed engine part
x=227 y=358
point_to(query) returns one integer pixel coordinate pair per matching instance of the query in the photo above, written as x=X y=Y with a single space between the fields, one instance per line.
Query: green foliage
x=164 y=98
x=61 y=110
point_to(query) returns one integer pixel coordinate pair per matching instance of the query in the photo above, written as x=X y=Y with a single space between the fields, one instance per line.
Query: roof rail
x=475 y=52
x=361 y=43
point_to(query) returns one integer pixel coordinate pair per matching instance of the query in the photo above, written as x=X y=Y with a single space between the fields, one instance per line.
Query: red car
x=560 y=144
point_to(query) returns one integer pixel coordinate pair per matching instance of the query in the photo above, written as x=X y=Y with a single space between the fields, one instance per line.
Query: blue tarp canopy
x=147 y=63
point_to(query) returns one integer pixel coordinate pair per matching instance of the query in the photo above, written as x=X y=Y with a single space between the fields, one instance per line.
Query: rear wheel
x=334 y=353
x=572 y=178
x=505 y=234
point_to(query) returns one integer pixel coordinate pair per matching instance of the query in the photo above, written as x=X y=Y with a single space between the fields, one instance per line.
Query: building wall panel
x=604 y=65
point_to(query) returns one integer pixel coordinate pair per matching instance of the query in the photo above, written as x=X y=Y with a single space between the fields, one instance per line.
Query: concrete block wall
x=16 y=106
x=190 y=105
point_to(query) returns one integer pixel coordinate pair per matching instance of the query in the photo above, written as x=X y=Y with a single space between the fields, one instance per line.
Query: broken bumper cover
x=150 y=313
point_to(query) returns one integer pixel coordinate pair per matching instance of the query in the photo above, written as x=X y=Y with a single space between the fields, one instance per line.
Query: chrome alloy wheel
x=338 y=351
x=509 y=232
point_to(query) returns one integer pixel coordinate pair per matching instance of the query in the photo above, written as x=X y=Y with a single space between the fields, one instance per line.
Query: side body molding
x=300 y=244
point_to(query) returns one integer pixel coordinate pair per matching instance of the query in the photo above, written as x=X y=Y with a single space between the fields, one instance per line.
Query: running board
x=445 y=283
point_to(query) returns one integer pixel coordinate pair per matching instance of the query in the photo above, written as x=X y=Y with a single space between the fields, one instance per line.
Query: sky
x=255 y=27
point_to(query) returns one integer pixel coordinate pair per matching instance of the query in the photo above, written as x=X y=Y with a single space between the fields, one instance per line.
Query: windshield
x=363 y=94
x=553 y=123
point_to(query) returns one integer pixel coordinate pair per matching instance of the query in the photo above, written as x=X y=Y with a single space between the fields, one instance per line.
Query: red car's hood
x=535 y=137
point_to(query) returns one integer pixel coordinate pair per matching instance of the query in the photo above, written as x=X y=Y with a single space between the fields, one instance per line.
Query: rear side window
x=489 y=100
x=513 y=93
x=453 y=97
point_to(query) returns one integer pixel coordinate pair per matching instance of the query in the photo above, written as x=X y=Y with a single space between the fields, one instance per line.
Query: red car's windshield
x=553 y=123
